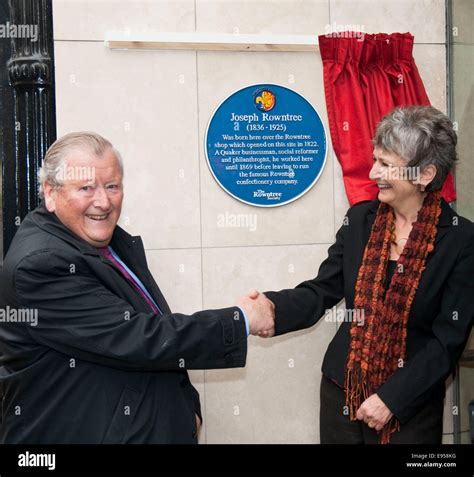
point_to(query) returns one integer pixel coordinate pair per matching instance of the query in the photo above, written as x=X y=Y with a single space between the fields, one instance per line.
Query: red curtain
x=364 y=79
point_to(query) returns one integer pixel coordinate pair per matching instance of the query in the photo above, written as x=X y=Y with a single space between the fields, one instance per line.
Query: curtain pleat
x=364 y=79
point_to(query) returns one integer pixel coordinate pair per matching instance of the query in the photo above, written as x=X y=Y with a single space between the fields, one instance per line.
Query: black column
x=29 y=120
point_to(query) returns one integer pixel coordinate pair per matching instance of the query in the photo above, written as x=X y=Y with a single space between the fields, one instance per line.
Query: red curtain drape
x=364 y=79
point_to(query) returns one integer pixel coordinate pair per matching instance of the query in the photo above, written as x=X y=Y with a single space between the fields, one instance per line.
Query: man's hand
x=260 y=312
x=198 y=425
x=374 y=412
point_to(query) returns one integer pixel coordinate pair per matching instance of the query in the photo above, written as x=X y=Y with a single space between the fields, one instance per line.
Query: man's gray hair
x=422 y=135
x=54 y=160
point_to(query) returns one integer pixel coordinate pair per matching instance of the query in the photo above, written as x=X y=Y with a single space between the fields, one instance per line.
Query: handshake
x=260 y=313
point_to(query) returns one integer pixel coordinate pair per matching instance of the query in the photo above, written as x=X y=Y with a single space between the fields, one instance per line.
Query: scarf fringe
x=392 y=426
x=357 y=386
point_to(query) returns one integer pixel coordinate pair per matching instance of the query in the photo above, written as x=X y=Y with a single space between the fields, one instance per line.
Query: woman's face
x=394 y=178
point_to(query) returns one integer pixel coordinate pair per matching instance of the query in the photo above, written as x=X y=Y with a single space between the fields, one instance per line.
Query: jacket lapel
x=445 y=221
x=130 y=249
x=370 y=219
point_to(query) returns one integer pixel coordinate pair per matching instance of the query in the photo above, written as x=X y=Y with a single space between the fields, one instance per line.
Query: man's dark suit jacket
x=440 y=319
x=99 y=367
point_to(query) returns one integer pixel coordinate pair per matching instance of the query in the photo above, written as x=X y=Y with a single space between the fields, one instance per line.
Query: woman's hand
x=374 y=412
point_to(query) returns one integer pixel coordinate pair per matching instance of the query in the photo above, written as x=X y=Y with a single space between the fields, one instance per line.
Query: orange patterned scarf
x=378 y=347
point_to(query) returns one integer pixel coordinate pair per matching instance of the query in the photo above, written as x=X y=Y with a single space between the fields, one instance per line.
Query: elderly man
x=102 y=359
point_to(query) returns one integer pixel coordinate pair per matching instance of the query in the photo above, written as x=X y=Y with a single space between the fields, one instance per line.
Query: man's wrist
x=247 y=324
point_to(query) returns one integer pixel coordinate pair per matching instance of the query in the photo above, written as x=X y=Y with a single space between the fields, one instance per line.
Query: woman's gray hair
x=52 y=170
x=422 y=135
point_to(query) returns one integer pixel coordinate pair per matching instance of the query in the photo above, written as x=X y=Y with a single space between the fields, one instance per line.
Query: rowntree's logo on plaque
x=268 y=195
x=264 y=100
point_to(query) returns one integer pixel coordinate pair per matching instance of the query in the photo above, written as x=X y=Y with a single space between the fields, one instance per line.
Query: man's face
x=90 y=201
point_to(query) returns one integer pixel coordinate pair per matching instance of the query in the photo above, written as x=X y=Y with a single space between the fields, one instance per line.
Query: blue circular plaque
x=266 y=145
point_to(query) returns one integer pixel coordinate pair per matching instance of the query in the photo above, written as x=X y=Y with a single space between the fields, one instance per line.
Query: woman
x=405 y=264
